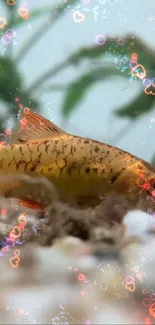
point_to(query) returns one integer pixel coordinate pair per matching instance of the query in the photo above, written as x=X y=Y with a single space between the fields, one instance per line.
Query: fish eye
x=152 y=186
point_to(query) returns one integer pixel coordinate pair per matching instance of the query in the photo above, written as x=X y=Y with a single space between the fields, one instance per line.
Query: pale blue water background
x=94 y=116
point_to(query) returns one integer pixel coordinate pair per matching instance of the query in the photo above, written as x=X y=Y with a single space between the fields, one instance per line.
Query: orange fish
x=82 y=170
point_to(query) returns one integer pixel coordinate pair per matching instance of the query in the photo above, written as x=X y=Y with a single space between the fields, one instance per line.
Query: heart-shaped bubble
x=3 y=22
x=78 y=17
x=14 y=261
x=23 y=12
x=22 y=219
x=17 y=252
x=144 y=291
x=138 y=71
x=11 y=2
x=152 y=310
x=130 y=286
x=6 y=39
x=146 y=302
x=15 y=232
x=152 y=296
x=136 y=269
x=141 y=181
x=150 y=89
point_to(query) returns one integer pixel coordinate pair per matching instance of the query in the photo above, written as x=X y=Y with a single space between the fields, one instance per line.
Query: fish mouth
x=147 y=191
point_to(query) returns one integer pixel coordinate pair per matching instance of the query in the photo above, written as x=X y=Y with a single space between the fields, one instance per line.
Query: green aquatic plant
x=108 y=60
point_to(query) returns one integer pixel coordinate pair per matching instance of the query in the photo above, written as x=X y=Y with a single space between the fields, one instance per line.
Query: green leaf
x=10 y=79
x=11 y=83
x=112 y=49
x=18 y=21
x=140 y=105
x=53 y=18
x=13 y=4
x=94 y=54
x=26 y=100
x=153 y=160
x=77 y=90
x=54 y=87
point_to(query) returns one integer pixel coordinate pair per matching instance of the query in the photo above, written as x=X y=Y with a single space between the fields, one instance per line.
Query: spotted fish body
x=83 y=170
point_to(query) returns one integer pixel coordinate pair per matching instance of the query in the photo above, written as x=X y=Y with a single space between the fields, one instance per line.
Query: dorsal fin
x=34 y=127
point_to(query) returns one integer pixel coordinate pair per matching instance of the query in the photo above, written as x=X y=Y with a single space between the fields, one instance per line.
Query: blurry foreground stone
x=66 y=284
x=68 y=266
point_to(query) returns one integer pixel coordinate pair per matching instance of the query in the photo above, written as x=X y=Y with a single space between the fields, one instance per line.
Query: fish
x=83 y=171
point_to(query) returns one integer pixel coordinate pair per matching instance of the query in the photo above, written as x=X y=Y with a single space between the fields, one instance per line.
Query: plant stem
x=122 y=133
x=59 y=67
x=32 y=40
x=54 y=87
x=43 y=29
x=12 y=12
x=48 y=74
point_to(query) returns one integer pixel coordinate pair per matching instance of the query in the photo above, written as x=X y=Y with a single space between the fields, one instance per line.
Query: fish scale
x=83 y=170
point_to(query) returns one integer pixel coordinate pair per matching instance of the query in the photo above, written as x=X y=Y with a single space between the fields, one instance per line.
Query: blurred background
x=72 y=61
x=88 y=66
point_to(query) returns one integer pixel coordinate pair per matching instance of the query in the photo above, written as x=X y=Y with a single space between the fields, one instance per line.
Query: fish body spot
x=34 y=142
x=32 y=169
x=49 y=169
x=114 y=177
x=109 y=240
x=96 y=149
x=72 y=149
x=47 y=146
x=19 y=163
x=95 y=170
x=20 y=148
x=1 y=161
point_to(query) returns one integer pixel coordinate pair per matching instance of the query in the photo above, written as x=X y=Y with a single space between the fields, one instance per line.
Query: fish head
x=149 y=187
x=144 y=182
x=137 y=183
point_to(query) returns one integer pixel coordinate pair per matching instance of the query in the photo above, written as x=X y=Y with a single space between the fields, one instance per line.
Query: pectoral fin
x=28 y=203
x=87 y=201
